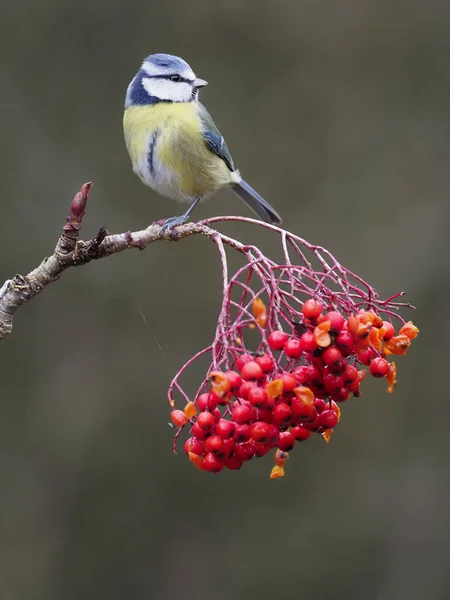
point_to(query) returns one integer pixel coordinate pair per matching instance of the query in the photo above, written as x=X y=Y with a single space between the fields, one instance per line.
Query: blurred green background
x=339 y=114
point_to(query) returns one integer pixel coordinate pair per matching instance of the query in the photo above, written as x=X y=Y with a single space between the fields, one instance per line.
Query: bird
x=173 y=143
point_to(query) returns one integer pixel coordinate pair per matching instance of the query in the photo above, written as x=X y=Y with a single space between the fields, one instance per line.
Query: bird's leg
x=181 y=220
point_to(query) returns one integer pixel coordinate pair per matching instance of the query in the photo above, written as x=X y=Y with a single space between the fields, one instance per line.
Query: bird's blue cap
x=167 y=61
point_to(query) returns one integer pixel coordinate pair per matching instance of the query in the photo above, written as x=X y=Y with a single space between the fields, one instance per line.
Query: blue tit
x=174 y=145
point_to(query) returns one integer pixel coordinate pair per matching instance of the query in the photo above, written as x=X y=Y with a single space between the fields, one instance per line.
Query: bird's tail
x=256 y=202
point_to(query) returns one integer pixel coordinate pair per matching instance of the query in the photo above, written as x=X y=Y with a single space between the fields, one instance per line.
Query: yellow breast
x=182 y=165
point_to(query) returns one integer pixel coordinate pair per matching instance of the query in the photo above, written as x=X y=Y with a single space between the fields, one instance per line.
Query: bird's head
x=163 y=78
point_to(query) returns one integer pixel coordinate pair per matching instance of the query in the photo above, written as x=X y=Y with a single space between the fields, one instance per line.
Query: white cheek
x=167 y=90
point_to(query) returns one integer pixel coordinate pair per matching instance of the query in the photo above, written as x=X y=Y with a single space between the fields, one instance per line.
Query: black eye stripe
x=168 y=76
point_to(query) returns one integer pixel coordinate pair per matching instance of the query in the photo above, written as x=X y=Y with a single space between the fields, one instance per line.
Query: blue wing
x=213 y=138
x=215 y=142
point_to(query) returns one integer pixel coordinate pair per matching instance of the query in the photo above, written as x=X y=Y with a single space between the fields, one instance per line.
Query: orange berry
x=321 y=334
x=277 y=472
x=327 y=435
x=220 y=383
x=391 y=377
x=398 y=345
x=410 y=330
x=190 y=410
x=376 y=337
x=259 y=312
x=304 y=393
x=275 y=388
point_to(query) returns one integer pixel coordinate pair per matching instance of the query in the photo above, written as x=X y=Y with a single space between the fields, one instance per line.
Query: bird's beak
x=198 y=83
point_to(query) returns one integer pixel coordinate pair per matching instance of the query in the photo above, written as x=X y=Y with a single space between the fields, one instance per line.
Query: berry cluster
x=291 y=387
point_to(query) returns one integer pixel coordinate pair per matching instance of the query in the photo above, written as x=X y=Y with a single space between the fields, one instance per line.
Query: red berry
x=336 y=319
x=289 y=382
x=229 y=446
x=333 y=406
x=341 y=395
x=242 y=360
x=241 y=414
x=266 y=415
x=270 y=402
x=251 y=371
x=260 y=449
x=338 y=368
x=312 y=423
x=274 y=436
x=178 y=418
x=293 y=348
x=300 y=433
x=233 y=462
x=253 y=411
x=208 y=401
x=205 y=421
x=300 y=408
x=345 y=342
x=245 y=451
x=379 y=367
x=302 y=374
x=282 y=414
x=366 y=356
x=225 y=428
x=333 y=383
x=319 y=405
x=350 y=374
x=316 y=374
x=245 y=389
x=277 y=340
x=214 y=444
x=212 y=463
x=199 y=433
x=307 y=342
x=216 y=414
x=316 y=361
x=390 y=331
x=331 y=355
x=257 y=396
x=286 y=442
x=194 y=445
x=234 y=379
x=266 y=363
x=242 y=433
x=260 y=432
x=353 y=387
x=312 y=309
x=328 y=419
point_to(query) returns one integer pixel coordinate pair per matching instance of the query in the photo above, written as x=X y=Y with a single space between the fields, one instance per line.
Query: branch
x=72 y=252
x=301 y=276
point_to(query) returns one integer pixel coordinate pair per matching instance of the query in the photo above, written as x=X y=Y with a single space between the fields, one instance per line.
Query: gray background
x=337 y=112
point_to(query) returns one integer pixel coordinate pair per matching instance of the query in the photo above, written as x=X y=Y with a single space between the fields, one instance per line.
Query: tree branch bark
x=72 y=252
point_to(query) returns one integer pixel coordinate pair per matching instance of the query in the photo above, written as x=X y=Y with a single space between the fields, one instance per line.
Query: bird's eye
x=175 y=78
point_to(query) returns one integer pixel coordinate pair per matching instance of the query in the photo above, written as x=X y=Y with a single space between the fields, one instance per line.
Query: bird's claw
x=169 y=225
